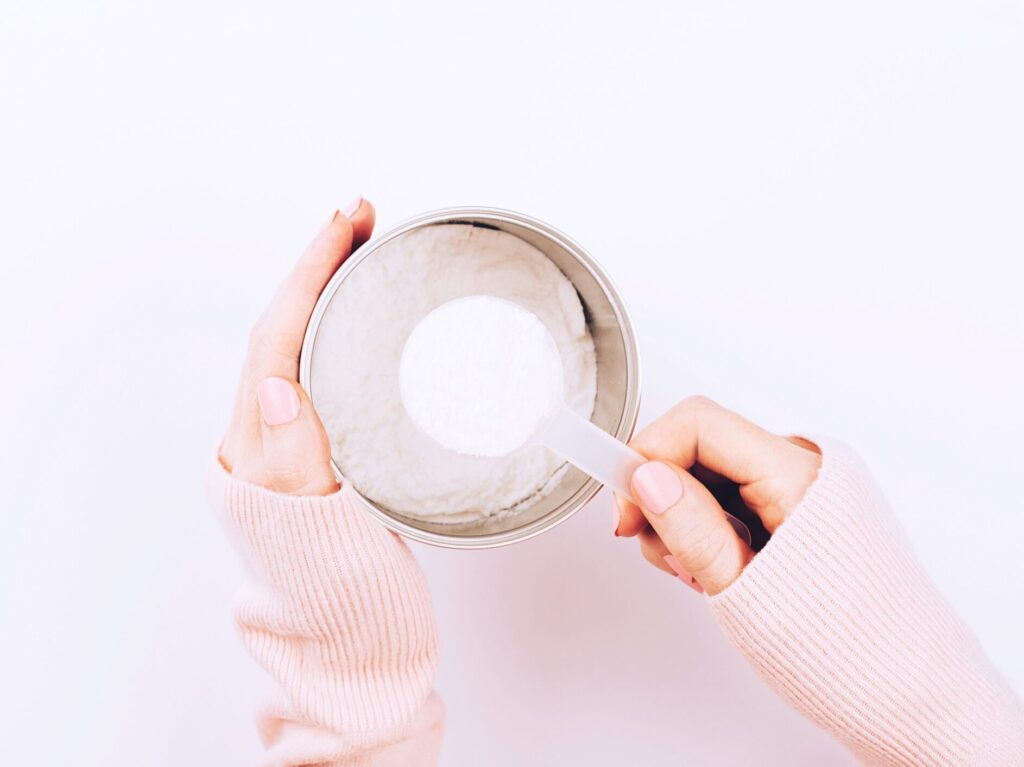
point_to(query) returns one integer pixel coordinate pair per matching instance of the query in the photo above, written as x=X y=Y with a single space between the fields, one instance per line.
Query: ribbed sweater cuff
x=839 y=618
x=334 y=607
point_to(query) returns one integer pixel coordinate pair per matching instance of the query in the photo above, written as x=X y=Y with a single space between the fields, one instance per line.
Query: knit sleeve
x=840 y=619
x=336 y=610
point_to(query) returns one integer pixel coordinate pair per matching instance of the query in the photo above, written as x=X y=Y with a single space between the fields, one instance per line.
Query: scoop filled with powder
x=480 y=375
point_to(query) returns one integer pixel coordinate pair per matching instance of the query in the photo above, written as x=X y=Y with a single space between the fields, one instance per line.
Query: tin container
x=618 y=376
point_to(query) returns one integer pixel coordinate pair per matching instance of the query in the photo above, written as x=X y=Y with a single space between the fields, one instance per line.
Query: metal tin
x=618 y=373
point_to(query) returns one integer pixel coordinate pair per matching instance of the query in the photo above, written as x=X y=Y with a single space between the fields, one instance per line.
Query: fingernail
x=278 y=400
x=350 y=210
x=658 y=486
x=683 y=573
x=615 y=517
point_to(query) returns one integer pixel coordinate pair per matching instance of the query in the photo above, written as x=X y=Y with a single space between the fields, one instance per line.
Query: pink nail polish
x=279 y=402
x=616 y=518
x=658 y=486
x=350 y=210
x=683 y=573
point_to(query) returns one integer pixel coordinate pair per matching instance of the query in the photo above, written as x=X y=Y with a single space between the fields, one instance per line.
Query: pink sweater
x=835 y=614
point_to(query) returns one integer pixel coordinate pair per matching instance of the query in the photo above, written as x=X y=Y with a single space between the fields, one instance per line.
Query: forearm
x=840 y=619
x=336 y=609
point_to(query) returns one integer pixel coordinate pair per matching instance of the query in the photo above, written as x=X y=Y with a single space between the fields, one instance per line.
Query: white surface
x=812 y=209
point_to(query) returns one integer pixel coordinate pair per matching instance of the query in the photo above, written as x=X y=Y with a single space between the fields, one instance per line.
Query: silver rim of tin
x=631 y=407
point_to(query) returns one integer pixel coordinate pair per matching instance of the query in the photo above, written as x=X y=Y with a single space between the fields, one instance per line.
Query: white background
x=814 y=211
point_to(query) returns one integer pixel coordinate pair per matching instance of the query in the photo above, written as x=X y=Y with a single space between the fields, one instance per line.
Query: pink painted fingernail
x=615 y=517
x=278 y=400
x=350 y=210
x=683 y=573
x=658 y=486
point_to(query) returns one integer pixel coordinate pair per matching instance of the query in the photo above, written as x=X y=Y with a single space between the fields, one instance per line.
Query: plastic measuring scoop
x=591 y=449
x=482 y=376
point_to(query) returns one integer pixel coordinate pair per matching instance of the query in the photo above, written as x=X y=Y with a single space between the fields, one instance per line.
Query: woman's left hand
x=276 y=439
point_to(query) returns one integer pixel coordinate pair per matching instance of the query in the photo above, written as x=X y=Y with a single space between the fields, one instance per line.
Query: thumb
x=296 y=451
x=691 y=523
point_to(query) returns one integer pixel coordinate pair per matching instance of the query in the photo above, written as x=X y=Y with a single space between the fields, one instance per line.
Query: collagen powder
x=355 y=382
x=480 y=375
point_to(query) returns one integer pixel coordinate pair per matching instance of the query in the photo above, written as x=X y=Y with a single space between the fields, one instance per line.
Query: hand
x=276 y=439
x=700 y=452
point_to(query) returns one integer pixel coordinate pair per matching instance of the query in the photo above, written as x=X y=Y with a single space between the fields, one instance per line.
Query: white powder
x=480 y=375
x=355 y=370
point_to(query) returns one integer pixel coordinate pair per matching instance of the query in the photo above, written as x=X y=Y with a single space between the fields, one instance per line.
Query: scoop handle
x=593 y=450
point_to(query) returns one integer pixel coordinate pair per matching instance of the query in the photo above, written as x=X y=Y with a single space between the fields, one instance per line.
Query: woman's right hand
x=699 y=452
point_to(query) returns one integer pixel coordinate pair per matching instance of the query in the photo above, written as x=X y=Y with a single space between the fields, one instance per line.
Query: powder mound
x=480 y=375
x=354 y=378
